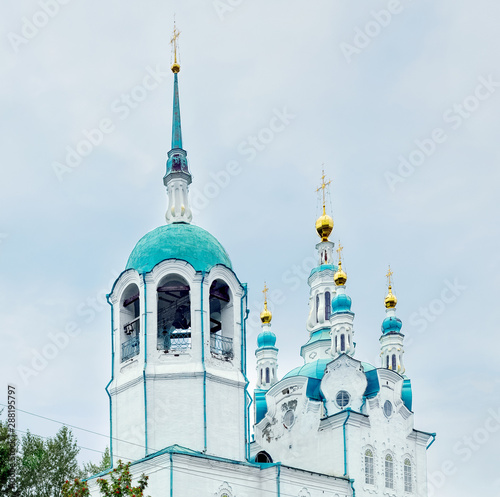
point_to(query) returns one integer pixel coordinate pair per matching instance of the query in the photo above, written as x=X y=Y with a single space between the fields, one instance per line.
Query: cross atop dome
x=265 y=315
x=340 y=277
x=339 y=251
x=322 y=187
x=324 y=224
x=390 y=300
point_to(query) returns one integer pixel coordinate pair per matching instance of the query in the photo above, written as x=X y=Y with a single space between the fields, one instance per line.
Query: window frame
x=389 y=471
x=369 y=467
x=408 y=475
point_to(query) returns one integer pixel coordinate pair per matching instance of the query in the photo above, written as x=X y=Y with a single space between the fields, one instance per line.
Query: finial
x=175 y=66
x=265 y=315
x=339 y=251
x=340 y=277
x=324 y=224
x=322 y=187
x=390 y=300
x=389 y=274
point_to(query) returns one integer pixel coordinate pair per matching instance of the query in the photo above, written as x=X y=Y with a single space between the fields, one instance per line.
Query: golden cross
x=265 y=293
x=173 y=41
x=322 y=187
x=389 y=274
x=339 y=250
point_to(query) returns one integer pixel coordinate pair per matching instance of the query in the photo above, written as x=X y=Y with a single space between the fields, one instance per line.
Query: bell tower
x=178 y=334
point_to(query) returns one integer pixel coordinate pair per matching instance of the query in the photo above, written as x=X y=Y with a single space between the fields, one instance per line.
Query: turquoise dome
x=266 y=339
x=391 y=324
x=178 y=241
x=314 y=369
x=341 y=303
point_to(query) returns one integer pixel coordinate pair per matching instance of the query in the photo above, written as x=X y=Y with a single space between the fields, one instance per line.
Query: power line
x=78 y=427
x=151 y=461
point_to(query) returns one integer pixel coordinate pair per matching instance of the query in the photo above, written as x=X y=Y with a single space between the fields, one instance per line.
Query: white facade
x=190 y=396
x=179 y=400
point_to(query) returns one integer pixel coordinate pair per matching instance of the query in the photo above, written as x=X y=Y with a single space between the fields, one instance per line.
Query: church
x=179 y=396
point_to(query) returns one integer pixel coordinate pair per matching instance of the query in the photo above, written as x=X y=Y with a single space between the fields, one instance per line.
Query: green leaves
x=44 y=465
x=90 y=469
x=76 y=488
x=8 y=448
x=119 y=483
x=32 y=466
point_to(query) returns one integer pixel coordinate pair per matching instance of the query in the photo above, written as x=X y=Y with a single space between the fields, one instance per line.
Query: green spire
x=176 y=117
x=177 y=163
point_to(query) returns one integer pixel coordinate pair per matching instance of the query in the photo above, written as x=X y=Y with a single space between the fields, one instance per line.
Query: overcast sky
x=399 y=100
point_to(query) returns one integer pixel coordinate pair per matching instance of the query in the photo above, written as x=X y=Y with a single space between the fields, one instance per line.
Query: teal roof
x=319 y=335
x=323 y=267
x=391 y=324
x=266 y=339
x=367 y=367
x=341 y=303
x=406 y=393
x=314 y=369
x=178 y=241
x=260 y=404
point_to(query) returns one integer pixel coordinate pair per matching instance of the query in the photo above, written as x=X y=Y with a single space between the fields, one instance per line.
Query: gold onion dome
x=390 y=300
x=324 y=226
x=265 y=315
x=340 y=277
x=175 y=67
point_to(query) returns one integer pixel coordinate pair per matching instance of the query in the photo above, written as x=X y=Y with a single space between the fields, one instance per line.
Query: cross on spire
x=322 y=187
x=173 y=42
x=389 y=274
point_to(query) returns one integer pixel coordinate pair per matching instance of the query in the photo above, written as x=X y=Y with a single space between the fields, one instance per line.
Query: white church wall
x=190 y=476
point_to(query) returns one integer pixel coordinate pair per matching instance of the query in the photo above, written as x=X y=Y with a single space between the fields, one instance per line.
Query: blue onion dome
x=341 y=303
x=178 y=241
x=391 y=324
x=266 y=339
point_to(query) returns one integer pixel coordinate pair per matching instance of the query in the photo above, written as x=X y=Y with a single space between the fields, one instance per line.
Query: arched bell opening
x=129 y=323
x=221 y=320
x=174 y=315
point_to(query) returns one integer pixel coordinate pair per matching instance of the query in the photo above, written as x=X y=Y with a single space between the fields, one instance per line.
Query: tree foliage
x=76 y=488
x=32 y=466
x=44 y=465
x=119 y=483
x=90 y=469
x=8 y=462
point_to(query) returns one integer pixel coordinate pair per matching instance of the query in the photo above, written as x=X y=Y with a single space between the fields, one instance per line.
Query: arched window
x=267 y=376
x=394 y=362
x=369 y=473
x=272 y=375
x=389 y=471
x=129 y=322
x=387 y=362
x=317 y=308
x=342 y=343
x=174 y=315
x=263 y=457
x=221 y=321
x=407 y=476
x=328 y=305
x=336 y=341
